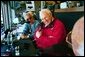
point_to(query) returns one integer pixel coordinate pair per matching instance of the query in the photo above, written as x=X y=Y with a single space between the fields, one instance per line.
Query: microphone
x=40 y=26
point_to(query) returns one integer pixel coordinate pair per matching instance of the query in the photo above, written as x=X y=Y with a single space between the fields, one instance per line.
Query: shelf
x=75 y=9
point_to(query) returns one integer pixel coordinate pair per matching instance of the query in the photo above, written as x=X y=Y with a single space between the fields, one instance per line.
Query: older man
x=51 y=32
x=30 y=26
x=25 y=43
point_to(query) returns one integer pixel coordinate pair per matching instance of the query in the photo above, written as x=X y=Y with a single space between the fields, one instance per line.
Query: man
x=30 y=26
x=51 y=32
x=77 y=37
x=25 y=43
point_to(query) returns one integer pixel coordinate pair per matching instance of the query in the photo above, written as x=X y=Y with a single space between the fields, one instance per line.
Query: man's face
x=28 y=18
x=46 y=19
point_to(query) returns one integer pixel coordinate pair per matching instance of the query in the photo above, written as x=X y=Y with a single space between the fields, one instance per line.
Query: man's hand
x=38 y=34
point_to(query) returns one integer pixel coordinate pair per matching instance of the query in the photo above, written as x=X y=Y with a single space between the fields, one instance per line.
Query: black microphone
x=41 y=26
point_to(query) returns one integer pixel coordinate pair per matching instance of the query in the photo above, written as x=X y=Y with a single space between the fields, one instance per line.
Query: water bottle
x=8 y=38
